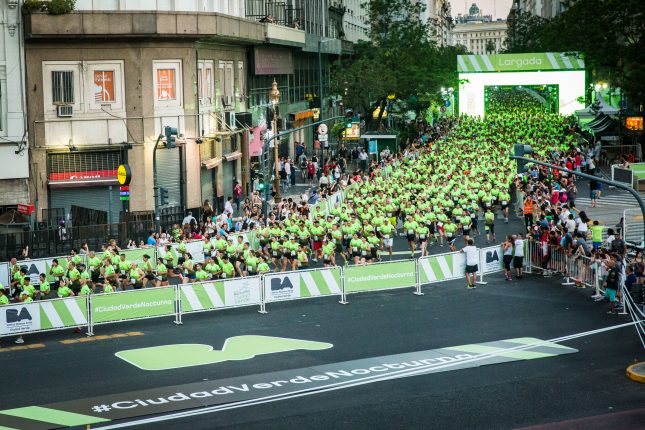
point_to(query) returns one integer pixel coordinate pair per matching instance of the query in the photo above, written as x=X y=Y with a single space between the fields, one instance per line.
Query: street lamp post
x=320 y=90
x=274 y=96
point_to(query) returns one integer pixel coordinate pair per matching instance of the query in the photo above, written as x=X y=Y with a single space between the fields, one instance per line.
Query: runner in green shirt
x=450 y=228
x=251 y=263
x=424 y=233
x=64 y=290
x=489 y=225
x=303 y=261
x=4 y=300
x=94 y=267
x=74 y=276
x=228 y=270
x=387 y=232
x=201 y=275
x=57 y=272
x=44 y=287
x=212 y=268
x=135 y=276
x=263 y=267
x=596 y=234
x=107 y=287
x=410 y=229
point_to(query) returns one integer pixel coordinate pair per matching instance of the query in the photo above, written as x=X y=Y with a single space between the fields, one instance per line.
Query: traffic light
x=163 y=196
x=170 y=133
x=261 y=183
x=522 y=151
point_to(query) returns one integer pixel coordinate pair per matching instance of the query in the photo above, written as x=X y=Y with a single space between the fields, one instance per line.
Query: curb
x=636 y=372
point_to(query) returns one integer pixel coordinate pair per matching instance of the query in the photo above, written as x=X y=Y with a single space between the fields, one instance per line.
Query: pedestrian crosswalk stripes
x=622 y=200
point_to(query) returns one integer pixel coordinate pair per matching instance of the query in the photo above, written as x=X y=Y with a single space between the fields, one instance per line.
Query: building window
x=166 y=84
x=63 y=87
x=104 y=86
x=205 y=82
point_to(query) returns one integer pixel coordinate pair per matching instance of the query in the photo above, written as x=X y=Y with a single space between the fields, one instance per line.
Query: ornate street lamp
x=274 y=97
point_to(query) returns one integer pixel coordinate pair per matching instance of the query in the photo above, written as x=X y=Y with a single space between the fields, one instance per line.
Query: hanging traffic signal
x=520 y=150
x=171 y=140
x=163 y=196
x=261 y=183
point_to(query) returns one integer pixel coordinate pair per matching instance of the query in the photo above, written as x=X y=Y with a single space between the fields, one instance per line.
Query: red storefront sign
x=26 y=209
x=82 y=176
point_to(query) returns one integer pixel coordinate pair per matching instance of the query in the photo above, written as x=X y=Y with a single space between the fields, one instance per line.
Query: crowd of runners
x=430 y=194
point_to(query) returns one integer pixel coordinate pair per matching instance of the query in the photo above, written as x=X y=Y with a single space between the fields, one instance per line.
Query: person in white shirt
x=189 y=219
x=518 y=256
x=472 y=258
x=228 y=206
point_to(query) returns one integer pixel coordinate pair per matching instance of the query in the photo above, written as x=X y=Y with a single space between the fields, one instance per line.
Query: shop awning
x=74 y=183
x=233 y=156
x=212 y=163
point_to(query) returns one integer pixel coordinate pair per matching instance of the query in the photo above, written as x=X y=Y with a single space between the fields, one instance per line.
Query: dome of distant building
x=474 y=10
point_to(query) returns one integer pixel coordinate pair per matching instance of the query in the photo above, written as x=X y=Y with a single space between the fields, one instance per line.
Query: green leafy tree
x=401 y=59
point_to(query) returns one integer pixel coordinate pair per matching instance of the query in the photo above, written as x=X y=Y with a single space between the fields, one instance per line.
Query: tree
x=490 y=47
x=399 y=59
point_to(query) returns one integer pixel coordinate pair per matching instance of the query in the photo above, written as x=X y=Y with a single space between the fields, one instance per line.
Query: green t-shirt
x=201 y=275
x=107 y=288
x=228 y=269
x=85 y=290
x=45 y=288
x=489 y=218
x=64 y=291
x=4 y=300
x=596 y=233
x=263 y=268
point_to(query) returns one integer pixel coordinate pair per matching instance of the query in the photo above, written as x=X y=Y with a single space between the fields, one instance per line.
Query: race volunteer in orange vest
x=528 y=212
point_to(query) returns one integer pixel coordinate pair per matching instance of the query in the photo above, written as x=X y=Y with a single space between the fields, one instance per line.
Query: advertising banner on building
x=43 y=315
x=380 y=276
x=437 y=268
x=220 y=294
x=301 y=285
x=152 y=302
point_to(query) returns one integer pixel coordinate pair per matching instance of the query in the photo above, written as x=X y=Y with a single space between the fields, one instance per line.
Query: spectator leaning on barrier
x=472 y=258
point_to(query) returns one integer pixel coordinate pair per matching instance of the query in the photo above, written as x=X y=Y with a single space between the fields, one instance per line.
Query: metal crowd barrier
x=175 y=301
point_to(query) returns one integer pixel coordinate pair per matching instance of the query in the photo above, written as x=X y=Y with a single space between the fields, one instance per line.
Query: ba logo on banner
x=492 y=257
x=278 y=284
x=20 y=319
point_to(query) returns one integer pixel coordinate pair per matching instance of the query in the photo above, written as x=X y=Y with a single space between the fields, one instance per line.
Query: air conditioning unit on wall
x=64 y=111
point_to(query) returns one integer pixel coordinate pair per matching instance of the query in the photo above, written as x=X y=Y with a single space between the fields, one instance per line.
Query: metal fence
x=61 y=240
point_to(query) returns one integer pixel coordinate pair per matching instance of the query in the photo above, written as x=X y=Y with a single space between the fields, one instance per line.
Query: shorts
x=388 y=242
x=423 y=239
x=410 y=237
x=451 y=240
x=504 y=206
x=610 y=294
x=471 y=269
x=150 y=277
x=490 y=228
x=517 y=262
x=317 y=246
x=596 y=245
x=466 y=232
x=507 y=262
x=594 y=194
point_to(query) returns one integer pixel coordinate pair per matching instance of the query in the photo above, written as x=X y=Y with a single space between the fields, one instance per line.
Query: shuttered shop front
x=169 y=169
x=79 y=183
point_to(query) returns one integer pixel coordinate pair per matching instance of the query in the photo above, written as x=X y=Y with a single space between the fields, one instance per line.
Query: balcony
x=281 y=35
x=132 y=24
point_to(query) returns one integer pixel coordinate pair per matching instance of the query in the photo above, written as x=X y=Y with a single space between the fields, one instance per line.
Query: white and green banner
x=4 y=274
x=380 y=276
x=220 y=294
x=543 y=61
x=136 y=256
x=437 y=268
x=301 y=285
x=42 y=265
x=43 y=315
x=146 y=303
x=491 y=259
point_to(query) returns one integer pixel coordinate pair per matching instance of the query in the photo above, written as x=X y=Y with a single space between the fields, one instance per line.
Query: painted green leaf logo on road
x=167 y=357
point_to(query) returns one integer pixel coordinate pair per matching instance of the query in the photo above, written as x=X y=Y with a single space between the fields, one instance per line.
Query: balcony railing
x=280 y=13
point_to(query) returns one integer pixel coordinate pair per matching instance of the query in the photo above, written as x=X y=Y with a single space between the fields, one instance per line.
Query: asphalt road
x=501 y=396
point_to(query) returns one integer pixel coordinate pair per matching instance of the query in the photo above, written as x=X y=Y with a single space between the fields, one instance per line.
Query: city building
x=14 y=153
x=439 y=15
x=544 y=8
x=479 y=33
x=355 y=26
x=105 y=80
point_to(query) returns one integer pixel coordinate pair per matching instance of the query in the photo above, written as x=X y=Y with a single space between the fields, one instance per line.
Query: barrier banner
x=146 y=303
x=301 y=285
x=42 y=265
x=136 y=256
x=43 y=315
x=380 y=276
x=491 y=259
x=437 y=268
x=195 y=249
x=220 y=294
x=4 y=274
